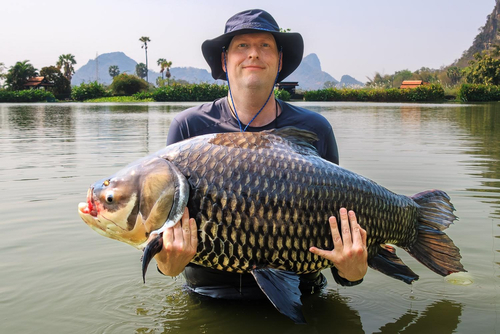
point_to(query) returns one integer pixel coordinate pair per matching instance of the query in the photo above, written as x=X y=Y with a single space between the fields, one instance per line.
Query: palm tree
x=141 y=70
x=67 y=61
x=167 y=65
x=145 y=40
x=160 y=63
x=454 y=73
x=114 y=71
x=19 y=74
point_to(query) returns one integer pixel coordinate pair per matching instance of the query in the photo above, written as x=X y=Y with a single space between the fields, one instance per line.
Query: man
x=252 y=55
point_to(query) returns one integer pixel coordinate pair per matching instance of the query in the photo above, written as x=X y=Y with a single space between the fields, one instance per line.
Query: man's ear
x=222 y=61
x=281 y=61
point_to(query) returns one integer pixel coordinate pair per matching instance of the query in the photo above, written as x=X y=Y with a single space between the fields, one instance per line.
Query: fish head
x=138 y=200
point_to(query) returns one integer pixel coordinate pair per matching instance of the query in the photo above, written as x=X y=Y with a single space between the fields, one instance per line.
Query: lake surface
x=59 y=276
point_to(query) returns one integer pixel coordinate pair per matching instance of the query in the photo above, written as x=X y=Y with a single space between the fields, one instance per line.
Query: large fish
x=260 y=201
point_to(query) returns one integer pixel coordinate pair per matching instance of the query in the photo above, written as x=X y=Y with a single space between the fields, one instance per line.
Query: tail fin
x=433 y=247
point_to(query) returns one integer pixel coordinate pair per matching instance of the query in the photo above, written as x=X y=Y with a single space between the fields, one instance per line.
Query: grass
x=120 y=99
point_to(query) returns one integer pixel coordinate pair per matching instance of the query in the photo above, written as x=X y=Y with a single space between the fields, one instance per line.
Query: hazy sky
x=357 y=37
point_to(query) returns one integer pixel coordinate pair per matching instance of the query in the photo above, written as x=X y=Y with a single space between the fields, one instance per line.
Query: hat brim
x=292 y=45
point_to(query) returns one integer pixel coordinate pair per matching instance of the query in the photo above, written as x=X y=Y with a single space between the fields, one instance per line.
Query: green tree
x=380 y=81
x=495 y=50
x=19 y=74
x=66 y=62
x=2 y=68
x=144 y=40
x=160 y=61
x=401 y=76
x=426 y=75
x=125 y=84
x=113 y=71
x=141 y=70
x=483 y=70
x=454 y=73
x=166 y=65
x=62 y=86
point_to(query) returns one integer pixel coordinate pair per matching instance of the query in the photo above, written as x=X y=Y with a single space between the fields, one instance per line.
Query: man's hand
x=349 y=253
x=179 y=246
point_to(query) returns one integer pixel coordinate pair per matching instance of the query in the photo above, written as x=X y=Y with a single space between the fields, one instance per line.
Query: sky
x=357 y=37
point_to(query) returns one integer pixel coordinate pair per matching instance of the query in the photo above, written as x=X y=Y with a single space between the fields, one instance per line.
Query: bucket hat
x=252 y=21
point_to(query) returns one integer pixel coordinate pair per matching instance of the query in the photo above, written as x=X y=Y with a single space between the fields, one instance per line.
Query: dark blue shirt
x=216 y=117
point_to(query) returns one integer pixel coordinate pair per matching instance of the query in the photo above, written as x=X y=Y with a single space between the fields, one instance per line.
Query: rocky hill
x=308 y=74
x=487 y=37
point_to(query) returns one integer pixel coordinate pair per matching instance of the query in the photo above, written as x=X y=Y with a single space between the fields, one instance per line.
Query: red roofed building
x=412 y=83
x=37 y=82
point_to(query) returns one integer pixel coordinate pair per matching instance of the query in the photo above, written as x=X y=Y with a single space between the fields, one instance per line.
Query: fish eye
x=106 y=183
x=109 y=198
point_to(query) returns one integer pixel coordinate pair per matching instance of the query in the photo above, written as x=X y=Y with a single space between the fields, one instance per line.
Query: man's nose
x=253 y=52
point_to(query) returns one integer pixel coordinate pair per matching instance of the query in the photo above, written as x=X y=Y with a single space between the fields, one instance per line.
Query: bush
x=143 y=96
x=478 y=93
x=424 y=93
x=92 y=90
x=282 y=94
x=191 y=92
x=30 y=95
x=125 y=84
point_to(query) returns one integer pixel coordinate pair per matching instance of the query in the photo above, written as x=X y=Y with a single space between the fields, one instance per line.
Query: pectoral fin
x=282 y=289
x=152 y=248
x=387 y=262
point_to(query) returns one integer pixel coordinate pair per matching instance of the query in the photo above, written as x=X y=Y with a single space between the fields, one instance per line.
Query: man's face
x=252 y=60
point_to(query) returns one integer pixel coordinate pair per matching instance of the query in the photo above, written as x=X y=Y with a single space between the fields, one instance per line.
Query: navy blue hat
x=251 y=21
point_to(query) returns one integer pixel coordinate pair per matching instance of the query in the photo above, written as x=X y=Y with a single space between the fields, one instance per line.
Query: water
x=59 y=276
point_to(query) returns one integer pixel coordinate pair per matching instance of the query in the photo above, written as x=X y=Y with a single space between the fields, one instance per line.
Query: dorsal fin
x=302 y=138
x=295 y=135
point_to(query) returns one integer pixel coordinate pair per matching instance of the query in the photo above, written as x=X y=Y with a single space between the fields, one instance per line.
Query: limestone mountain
x=487 y=37
x=309 y=74
x=100 y=65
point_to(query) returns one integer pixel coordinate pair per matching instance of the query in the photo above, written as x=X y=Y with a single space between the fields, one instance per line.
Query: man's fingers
x=177 y=231
x=363 y=235
x=319 y=252
x=194 y=233
x=355 y=229
x=168 y=236
x=346 y=228
x=337 y=240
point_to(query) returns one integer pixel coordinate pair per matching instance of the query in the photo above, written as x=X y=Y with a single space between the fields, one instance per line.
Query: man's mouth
x=253 y=68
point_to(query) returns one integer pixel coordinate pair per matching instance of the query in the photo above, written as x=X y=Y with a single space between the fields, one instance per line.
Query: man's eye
x=242 y=45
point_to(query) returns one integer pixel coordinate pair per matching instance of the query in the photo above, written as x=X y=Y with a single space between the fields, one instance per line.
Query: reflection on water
x=483 y=124
x=441 y=317
x=328 y=312
x=59 y=276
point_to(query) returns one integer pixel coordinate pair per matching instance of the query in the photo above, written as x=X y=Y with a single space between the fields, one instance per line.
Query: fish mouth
x=89 y=208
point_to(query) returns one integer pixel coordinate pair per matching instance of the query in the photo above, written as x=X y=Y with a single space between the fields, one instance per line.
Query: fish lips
x=90 y=207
